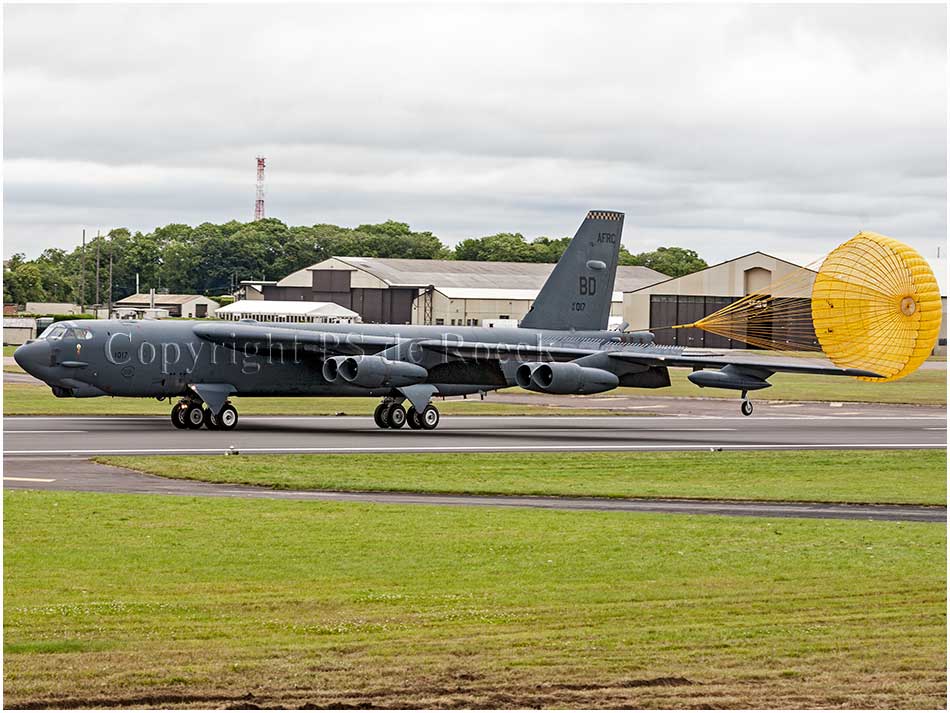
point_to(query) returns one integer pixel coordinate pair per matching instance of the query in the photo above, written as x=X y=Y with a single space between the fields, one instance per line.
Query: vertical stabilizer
x=578 y=292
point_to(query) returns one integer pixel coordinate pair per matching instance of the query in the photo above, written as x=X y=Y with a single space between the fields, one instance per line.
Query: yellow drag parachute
x=876 y=306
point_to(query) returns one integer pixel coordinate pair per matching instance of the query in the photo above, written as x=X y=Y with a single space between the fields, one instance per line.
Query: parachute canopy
x=876 y=306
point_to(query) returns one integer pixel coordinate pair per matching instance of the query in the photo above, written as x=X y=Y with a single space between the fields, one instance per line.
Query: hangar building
x=449 y=292
x=681 y=300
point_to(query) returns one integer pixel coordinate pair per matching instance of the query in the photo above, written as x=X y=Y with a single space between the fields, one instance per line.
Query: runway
x=52 y=452
x=116 y=435
x=81 y=475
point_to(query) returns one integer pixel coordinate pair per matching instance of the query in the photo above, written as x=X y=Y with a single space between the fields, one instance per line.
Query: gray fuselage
x=164 y=358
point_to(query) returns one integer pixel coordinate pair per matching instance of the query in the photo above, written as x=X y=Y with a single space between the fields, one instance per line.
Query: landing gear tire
x=178 y=415
x=211 y=422
x=429 y=417
x=228 y=418
x=381 y=415
x=746 y=408
x=194 y=416
x=396 y=416
x=413 y=419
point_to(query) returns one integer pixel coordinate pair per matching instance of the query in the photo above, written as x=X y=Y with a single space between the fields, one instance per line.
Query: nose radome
x=32 y=357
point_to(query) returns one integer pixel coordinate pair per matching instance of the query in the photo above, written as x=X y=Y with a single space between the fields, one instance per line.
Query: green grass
x=38 y=400
x=839 y=476
x=132 y=601
x=8 y=350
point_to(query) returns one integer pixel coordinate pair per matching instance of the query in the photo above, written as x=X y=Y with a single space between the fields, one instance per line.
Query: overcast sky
x=721 y=128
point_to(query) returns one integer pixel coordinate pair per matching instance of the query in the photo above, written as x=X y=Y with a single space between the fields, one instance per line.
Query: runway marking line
x=51 y=431
x=488 y=449
x=30 y=480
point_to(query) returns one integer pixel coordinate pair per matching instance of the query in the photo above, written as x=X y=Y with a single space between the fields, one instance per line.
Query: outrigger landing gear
x=746 y=406
x=391 y=414
x=188 y=414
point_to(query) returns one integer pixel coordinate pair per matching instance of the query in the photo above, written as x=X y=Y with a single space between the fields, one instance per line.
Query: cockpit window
x=78 y=333
x=55 y=332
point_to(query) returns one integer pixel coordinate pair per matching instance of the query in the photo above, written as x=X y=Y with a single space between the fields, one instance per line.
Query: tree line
x=211 y=259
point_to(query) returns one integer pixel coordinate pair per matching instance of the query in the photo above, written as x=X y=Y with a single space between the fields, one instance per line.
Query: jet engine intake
x=371 y=372
x=564 y=378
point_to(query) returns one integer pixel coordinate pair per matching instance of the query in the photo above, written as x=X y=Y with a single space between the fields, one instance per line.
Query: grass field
x=839 y=476
x=151 y=601
x=8 y=350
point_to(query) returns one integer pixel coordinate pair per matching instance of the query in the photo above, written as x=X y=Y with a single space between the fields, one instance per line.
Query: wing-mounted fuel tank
x=740 y=378
x=564 y=378
x=371 y=372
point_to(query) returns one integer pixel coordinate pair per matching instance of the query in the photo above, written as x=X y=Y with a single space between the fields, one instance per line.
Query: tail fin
x=578 y=293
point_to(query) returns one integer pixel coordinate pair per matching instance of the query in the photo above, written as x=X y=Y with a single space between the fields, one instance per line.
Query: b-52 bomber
x=562 y=346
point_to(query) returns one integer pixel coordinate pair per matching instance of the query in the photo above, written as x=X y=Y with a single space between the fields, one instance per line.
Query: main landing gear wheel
x=746 y=408
x=429 y=417
x=413 y=419
x=381 y=415
x=178 y=415
x=225 y=421
x=194 y=416
x=228 y=418
x=396 y=416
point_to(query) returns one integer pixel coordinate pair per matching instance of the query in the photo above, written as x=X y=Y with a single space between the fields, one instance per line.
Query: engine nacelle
x=564 y=378
x=371 y=372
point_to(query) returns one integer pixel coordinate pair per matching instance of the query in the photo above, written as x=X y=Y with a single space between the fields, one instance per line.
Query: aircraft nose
x=32 y=357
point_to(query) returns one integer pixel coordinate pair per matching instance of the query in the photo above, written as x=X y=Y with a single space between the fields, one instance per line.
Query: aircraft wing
x=703 y=360
x=647 y=355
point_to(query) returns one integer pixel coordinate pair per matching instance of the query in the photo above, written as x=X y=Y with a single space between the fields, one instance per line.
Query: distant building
x=252 y=289
x=449 y=292
x=17 y=330
x=191 y=306
x=280 y=311
x=52 y=308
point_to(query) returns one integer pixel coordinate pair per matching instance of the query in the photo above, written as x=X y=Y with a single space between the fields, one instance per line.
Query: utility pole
x=136 y=283
x=111 y=250
x=259 y=201
x=82 y=275
x=98 y=303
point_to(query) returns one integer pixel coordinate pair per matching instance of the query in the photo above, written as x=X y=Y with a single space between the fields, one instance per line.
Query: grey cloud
x=774 y=125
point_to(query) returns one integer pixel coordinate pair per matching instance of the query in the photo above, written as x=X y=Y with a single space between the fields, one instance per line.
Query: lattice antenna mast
x=259 y=203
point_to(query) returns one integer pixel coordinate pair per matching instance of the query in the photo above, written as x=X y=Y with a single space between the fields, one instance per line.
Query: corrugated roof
x=400 y=272
x=143 y=299
x=286 y=307
x=498 y=293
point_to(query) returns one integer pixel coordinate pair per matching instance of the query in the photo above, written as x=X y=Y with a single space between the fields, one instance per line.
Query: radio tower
x=259 y=203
